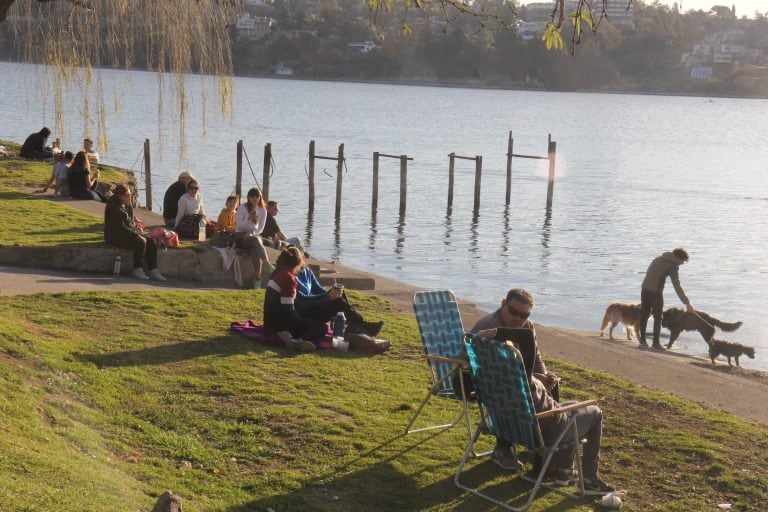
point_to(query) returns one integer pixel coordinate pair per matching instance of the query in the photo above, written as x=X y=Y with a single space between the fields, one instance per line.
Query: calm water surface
x=636 y=175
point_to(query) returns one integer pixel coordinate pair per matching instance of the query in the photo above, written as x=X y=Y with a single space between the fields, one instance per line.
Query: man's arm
x=674 y=276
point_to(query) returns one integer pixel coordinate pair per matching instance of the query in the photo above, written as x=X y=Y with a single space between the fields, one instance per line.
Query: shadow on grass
x=384 y=486
x=222 y=346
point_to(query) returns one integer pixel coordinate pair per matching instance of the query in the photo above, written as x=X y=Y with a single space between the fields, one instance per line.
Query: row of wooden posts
x=404 y=159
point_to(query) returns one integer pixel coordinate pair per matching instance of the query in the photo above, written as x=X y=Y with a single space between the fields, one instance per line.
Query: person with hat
x=172 y=196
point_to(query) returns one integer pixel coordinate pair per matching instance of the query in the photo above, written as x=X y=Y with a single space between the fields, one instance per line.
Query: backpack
x=165 y=238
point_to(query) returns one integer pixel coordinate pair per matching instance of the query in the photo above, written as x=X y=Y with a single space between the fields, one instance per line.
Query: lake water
x=636 y=176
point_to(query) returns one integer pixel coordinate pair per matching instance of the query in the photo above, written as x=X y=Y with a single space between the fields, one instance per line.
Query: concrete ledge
x=197 y=264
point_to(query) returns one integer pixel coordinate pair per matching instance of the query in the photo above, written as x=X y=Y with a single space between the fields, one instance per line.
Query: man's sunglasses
x=519 y=314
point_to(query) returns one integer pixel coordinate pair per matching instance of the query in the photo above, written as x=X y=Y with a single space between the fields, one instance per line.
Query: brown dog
x=624 y=312
x=729 y=350
x=678 y=320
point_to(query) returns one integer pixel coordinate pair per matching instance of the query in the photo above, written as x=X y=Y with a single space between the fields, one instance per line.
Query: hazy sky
x=743 y=7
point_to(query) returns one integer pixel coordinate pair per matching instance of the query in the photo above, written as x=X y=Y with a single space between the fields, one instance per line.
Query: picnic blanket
x=255 y=332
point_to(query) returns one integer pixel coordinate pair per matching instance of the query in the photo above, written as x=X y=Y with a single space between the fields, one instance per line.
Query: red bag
x=165 y=238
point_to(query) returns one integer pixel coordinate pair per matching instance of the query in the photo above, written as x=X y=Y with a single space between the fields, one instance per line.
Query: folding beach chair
x=501 y=385
x=437 y=314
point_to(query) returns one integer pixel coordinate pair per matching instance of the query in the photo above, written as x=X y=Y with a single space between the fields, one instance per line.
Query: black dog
x=729 y=350
x=678 y=320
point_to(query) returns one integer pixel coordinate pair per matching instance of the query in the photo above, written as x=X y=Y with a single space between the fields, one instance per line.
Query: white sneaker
x=156 y=275
x=138 y=273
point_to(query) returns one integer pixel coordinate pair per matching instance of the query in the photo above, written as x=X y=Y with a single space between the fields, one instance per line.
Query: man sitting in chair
x=513 y=313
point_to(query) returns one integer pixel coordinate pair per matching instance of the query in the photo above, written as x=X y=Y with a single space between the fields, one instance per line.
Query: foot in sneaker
x=657 y=346
x=156 y=275
x=138 y=273
x=257 y=284
x=505 y=458
x=306 y=346
x=595 y=485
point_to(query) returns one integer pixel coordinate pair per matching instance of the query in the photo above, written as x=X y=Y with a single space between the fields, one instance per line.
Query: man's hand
x=487 y=333
x=549 y=379
x=335 y=293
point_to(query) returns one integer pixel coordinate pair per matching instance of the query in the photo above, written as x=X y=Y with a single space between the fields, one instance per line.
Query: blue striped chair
x=507 y=411
x=437 y=314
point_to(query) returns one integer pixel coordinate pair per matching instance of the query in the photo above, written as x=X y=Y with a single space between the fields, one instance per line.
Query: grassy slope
x=109 y=399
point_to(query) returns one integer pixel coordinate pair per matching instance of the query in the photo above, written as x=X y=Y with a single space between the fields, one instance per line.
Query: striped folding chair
x=507 y=411
x=437 y=314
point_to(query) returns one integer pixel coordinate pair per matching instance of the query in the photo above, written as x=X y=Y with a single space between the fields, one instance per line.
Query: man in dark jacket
x=652 y=293
x=34 y=146
x=171 y=199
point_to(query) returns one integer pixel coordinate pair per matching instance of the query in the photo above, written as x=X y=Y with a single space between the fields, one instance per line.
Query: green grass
x=32 y=221
x=111 y=398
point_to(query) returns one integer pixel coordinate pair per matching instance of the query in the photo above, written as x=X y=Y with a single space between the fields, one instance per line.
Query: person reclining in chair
x=513 y=313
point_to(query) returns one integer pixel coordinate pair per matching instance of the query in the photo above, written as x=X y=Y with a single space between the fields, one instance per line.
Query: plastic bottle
x=116 y=265
x=339 y=323
x=201 y=230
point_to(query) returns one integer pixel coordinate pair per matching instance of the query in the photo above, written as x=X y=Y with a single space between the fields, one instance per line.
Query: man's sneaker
x=657 y=346
x=156 y=275
x=306 y=346
x=138 y=273
x=257 y=284
x=505 y=458
x=597 y=486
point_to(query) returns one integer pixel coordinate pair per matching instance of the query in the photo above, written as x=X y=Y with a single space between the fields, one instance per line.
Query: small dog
x=729 y=350
x=624 y=312
x=678 y=320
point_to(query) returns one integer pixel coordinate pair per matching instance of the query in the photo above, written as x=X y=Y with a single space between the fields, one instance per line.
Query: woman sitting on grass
x=280 y=317
x=120 y=230
x=82 y=183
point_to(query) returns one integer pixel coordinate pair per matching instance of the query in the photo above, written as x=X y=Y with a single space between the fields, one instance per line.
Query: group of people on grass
x=72 y=175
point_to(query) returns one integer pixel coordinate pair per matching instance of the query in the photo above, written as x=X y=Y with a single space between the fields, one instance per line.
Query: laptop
x=524 y=342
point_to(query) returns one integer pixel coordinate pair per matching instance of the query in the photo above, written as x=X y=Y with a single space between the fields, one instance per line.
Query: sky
x=743 y=7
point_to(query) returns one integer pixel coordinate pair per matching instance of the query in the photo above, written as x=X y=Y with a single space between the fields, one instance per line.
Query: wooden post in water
x=451 y=162
x=375 y=184
x=510 y=146
x=147 y=175
x=551 y=153
x=403 y=181
x=478 y=174
x=311 y=175
x=267 y=168
x=339 y=172
x=239 y=169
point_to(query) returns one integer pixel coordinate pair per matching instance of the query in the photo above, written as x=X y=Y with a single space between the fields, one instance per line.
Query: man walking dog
x=652 y=294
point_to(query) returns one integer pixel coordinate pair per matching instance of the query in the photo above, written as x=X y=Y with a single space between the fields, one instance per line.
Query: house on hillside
x=363 y=47
x=253 y=28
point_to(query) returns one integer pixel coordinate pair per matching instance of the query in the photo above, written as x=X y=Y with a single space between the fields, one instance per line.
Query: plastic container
x=201 y=231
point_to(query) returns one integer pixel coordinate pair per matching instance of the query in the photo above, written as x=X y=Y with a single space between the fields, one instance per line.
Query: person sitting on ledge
x=228 y=216
x=273 y=236
x=120 y=230
x=82 y=183
x=315 y=302
x=171 y=199
x=34 y=146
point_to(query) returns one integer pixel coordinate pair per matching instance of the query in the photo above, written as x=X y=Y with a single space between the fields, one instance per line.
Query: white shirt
x=60 y=170
x=189 y=205
x=243 y=222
